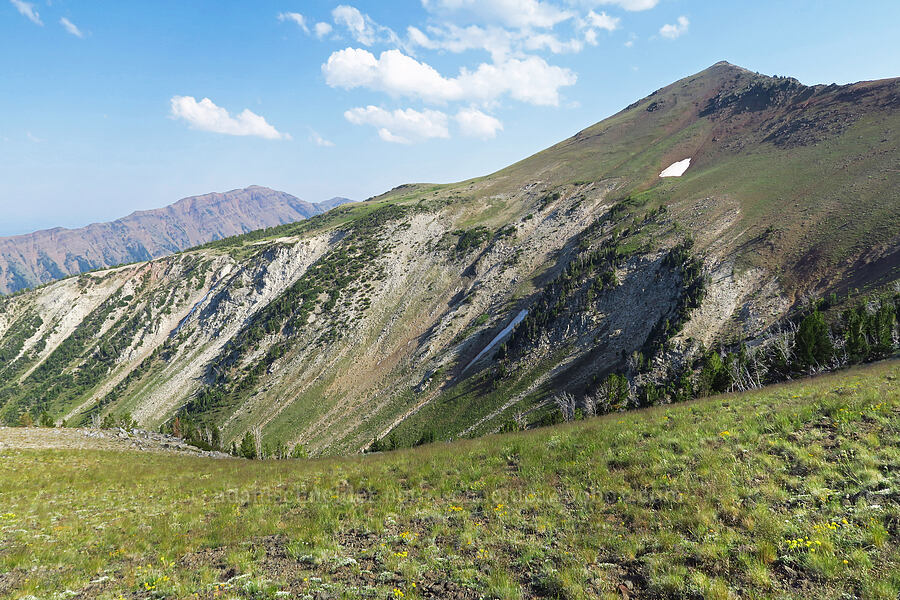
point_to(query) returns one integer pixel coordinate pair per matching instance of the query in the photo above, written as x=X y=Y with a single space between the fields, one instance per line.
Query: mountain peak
x=728 y=65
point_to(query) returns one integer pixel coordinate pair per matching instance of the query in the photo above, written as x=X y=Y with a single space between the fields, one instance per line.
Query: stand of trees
x=811 y=343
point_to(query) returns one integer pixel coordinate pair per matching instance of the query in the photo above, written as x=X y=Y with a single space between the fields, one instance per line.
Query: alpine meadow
x=657 y=359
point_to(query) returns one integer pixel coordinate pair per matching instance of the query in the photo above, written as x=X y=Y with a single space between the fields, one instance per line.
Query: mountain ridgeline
x=43 y=256
x=576 y=279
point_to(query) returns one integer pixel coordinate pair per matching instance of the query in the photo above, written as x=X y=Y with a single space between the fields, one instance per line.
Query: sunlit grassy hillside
x=790 y=491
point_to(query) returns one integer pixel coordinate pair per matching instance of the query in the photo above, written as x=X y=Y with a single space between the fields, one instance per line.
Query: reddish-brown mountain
x=35 y=258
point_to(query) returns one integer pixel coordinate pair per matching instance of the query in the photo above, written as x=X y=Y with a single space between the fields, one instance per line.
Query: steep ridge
x=43 y=256
x=361 y=323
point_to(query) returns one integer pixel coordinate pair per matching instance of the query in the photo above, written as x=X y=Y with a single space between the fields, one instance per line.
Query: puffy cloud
x=394 y=73
x=675 y=30
x=474 y=123
x=27 y=9
x=322 y=29
x=601 y=21
x=318 y=140
x=401 y=126
x=361 y=27
x=71 y=27
x=295 y=17
x=594 y=21
x=510 y=13
x=528 y=79
x=206 y=116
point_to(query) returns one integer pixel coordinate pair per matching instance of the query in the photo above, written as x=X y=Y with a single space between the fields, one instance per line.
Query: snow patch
x=519 y=318
x=676 y=169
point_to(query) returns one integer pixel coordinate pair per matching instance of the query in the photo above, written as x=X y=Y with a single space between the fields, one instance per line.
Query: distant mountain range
x=43 y=256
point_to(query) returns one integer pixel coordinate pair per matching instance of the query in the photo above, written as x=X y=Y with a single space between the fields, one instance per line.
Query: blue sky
x=111 y=107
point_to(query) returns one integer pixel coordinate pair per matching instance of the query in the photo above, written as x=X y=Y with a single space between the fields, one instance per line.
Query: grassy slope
x=705 y=499
x=828 y=201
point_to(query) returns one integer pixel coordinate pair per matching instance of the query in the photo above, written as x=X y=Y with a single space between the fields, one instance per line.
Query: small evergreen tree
x=883 y=324
x=857 y=343
x=651 y=394
x=248 y=446
x=215 y=438
x=713 y=376
x=813 y=341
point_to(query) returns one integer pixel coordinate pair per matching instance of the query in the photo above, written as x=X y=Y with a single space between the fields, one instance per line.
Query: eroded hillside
x=394 y=315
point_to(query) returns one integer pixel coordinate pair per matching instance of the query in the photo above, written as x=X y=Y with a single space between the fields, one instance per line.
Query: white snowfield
x=518 y=319
x=676 y=169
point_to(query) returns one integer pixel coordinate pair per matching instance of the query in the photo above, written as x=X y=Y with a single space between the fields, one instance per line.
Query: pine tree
x=813 y=342
x=883 y=324
x=215 y=438
x=855 y=321
x=248 y=446
x=713 y=376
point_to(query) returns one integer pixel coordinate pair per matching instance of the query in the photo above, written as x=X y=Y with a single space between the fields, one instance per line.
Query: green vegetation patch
x=785 y=492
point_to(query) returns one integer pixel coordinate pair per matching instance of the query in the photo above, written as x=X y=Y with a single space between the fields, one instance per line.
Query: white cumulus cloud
x=206 y=116
x=294 y=17
x=674 y=30
x=71 y=27
x=474 y=123
x=401 y=126
x=27 y=9
x=322 y=29
x=601 y=21
x=529 y=79
x=594 y=21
